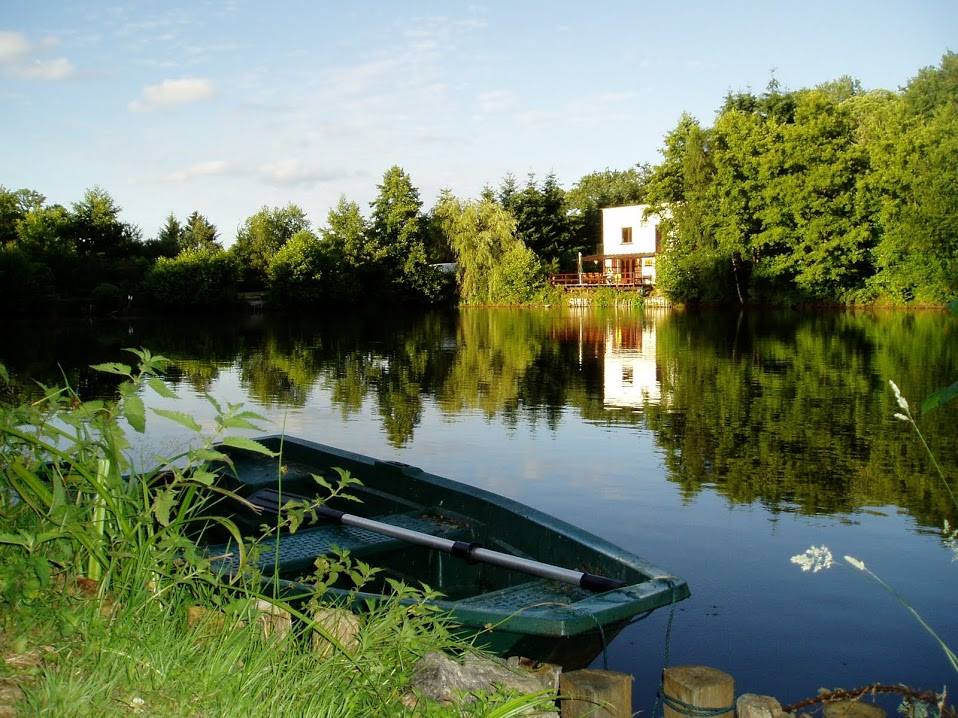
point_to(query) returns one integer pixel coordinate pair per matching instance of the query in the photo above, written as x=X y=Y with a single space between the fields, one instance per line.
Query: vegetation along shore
x=827 y=195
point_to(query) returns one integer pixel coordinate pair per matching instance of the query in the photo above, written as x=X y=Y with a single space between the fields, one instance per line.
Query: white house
x=630 y=242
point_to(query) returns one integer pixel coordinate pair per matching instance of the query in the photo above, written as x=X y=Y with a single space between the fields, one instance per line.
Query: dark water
x=715 y=445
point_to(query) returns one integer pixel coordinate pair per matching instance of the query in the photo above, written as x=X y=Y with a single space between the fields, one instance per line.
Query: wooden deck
x=601 y=279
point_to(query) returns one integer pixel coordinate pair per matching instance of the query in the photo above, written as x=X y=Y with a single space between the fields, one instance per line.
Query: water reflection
x=791 y=410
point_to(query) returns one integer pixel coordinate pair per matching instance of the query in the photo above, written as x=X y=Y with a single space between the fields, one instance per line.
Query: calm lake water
x=715 y=445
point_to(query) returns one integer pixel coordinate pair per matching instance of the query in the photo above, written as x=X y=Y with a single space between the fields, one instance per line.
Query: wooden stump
x=698 y=686
x=853 y=709
x=598 y=694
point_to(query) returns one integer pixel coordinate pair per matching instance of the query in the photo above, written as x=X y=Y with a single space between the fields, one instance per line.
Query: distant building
x=626 y=252
x=630 y=242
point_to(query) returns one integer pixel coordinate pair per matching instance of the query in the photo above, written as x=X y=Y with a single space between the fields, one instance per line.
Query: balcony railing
x=601 y=279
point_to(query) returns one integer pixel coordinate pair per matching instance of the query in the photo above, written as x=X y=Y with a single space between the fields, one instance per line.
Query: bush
x=303 y=272
x=518 y=278
x=107 y=298
x=27 y=285
x=202 y=277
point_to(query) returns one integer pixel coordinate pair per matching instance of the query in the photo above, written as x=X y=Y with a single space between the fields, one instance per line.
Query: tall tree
x=198 y=233
x=168 y=240
x=14 y=206
x=542 y=223
x=261 y=236
x=480 y=233
x=96 y=228
x=593 y=192
x=917 y=254
x=397 y=235
x=345 y=233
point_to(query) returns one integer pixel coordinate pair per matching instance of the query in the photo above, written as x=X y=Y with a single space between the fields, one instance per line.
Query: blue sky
x=224 y=107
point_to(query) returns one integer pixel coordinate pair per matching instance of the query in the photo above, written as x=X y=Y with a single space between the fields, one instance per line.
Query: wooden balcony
x=601 y=279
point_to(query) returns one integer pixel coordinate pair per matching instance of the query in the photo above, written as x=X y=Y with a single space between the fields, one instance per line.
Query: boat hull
x=509 y=613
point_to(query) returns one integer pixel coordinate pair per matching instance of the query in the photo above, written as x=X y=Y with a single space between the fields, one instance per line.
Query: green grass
x=100 y=564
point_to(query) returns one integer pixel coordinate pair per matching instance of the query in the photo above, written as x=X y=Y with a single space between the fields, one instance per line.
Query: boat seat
x=298 y=551
x=537 y=595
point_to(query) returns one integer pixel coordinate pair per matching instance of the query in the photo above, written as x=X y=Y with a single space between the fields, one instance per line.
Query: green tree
x=397 y=240
x=345 y=233
x=304 y=271
x=197 y=233
x=593 y=192
x=168 y=240
x=916 y=149
x=201 y=277
x=480 y=233
x=96 y=229
x=261 y=236
x=542 y=222
x=43 y=232
x=692 y=267
x=14 y=206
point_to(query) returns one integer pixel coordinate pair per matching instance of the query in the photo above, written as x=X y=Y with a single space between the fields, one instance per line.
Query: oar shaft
x=475 y=552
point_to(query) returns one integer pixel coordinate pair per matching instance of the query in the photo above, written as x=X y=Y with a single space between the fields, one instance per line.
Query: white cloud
x=16 y=51
x=203 y=169
x=288 y=173
x=13 y=46
x=170 y=93
x=59 y=68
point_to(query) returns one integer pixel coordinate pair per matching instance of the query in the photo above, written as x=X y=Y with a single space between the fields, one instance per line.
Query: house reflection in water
x=631 y=374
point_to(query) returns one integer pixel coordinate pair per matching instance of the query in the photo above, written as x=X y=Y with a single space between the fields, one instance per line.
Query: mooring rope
x=688 y=709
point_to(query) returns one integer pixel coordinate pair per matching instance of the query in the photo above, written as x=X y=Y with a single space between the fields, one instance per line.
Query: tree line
x=830 y=194
x=506 y=242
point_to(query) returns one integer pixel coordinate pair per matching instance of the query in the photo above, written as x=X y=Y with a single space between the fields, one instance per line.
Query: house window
x=627 y=376
x=658 y=238
x=626 y=235
x=648 y=262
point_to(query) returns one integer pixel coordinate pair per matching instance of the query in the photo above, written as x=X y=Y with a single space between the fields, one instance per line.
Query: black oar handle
x=598 y=584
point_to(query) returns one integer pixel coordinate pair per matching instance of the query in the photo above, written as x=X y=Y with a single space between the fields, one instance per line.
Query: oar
x=475 y=552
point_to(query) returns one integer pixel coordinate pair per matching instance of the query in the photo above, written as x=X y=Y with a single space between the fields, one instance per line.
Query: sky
x=226 y=107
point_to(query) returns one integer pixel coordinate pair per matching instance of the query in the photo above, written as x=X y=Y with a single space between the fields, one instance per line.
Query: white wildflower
x=902 y=401
x=901 y=417
x=860 y=565
x=815 y=559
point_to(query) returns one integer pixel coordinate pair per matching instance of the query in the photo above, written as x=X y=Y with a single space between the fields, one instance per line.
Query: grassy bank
x=109 y=606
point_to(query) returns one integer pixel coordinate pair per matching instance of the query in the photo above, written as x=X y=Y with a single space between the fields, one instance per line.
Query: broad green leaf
x=203 y=477
x=180 y=418
x=238 y=422
x=112 y=367
x=942 y=396
x=240 y=442
x=59 y=494
x=16 y=540
x=163 y=505
x=209 y=455
x=160 y=387
x=135 y=413
x=214 y=403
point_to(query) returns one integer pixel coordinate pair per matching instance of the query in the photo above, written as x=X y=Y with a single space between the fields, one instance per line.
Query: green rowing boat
x=552 y=592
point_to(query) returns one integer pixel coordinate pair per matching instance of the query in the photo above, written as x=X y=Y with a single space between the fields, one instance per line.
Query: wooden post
x=598 y=694
x=697 y=686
